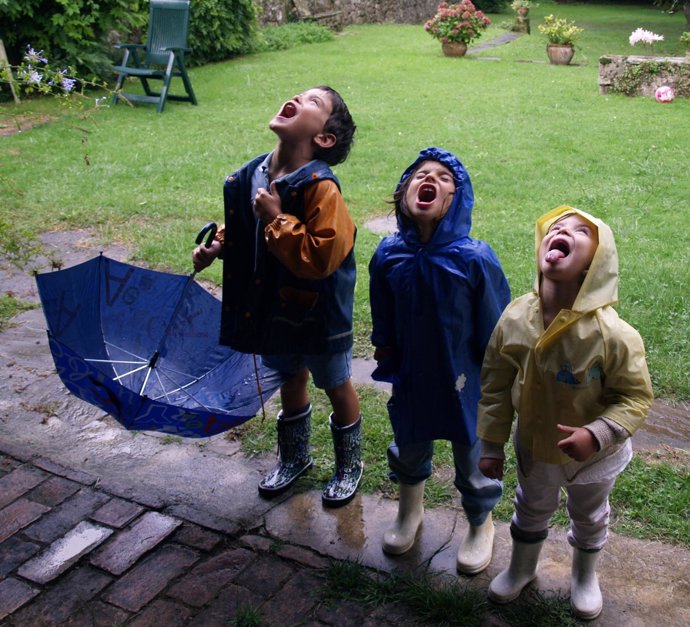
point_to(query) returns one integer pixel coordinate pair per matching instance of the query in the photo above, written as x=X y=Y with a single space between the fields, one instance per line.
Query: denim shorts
x=328 y=370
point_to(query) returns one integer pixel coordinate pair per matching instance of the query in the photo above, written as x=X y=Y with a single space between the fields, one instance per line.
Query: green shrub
x=290 y=35
x=81 y=33
x=490 y=6
x=220 y=29
x=75 y=33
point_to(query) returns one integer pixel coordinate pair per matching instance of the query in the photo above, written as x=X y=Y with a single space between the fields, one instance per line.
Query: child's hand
x=381 y=353
x=202 y=257
x=491 y=468
x=267 y=204
x=580 y=443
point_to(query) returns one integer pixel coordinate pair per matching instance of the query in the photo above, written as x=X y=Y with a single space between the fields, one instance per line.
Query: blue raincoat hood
x=458 y=219
x=434 y=306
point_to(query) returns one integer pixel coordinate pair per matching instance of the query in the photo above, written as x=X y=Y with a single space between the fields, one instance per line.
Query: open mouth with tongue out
x=426 y=195
x=559 y=248
x=289 y=110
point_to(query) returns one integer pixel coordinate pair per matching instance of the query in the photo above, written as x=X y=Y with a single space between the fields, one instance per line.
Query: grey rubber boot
x=401 y=536
x=342 y=486
x=585 y=595
x=294 y=454
x=508 y=584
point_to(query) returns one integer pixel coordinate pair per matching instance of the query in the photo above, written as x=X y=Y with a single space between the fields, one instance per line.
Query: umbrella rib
x=126 y=374
x=180 y=389
x=123 y=349
x=113 y=361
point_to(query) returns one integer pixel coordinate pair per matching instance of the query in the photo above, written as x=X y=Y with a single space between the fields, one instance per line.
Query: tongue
x=554 y=255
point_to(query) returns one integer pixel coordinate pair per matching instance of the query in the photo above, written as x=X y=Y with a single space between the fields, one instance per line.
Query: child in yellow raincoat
x=576 y=376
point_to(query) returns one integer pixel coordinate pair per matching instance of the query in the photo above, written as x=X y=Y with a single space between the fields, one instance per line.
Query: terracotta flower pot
x=560 y=54
x=454 y=48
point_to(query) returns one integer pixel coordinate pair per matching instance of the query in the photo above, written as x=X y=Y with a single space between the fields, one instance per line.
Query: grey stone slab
x=64 y=552
x=129 y=545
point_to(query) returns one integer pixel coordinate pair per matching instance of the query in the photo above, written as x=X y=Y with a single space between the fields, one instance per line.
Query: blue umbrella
x=143 y=346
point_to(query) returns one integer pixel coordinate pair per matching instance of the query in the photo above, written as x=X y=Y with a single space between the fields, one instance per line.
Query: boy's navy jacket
x=436 y=305
x=266 y=308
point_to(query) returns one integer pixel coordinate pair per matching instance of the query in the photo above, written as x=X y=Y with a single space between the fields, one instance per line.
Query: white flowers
x=647 y=37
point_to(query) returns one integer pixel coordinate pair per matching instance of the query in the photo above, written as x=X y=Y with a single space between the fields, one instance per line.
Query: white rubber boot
x=585 y=595
x=508 y=584
x=402 y=535
x=476 y=548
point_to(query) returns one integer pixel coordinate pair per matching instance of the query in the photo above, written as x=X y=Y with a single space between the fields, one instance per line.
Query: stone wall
x=642 y=75
x=344 y=12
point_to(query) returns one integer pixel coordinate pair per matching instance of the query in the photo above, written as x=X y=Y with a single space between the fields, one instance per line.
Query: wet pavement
x=101 y=526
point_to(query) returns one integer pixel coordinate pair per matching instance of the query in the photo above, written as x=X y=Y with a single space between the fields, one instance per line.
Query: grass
x=441 y=601
x=532 y=136
x=9 y=308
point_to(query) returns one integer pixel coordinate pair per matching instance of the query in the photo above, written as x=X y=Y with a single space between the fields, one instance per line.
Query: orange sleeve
x=315 y=248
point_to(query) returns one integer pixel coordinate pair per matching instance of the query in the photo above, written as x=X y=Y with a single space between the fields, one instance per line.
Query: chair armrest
x=129 y=46
x=174 y=49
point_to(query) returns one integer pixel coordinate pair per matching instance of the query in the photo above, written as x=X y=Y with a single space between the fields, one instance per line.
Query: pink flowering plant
x=459 y=22
x=645 y=37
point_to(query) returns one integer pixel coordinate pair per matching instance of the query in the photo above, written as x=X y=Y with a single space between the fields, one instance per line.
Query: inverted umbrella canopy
x=143 y=346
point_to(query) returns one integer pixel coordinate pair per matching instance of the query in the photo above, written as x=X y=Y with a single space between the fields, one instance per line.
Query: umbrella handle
x=213 y=228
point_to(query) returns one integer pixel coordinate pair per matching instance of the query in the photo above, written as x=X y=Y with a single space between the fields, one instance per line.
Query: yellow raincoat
x=587 y=366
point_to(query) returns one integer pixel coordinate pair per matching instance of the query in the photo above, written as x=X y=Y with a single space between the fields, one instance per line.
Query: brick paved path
x=71 y=553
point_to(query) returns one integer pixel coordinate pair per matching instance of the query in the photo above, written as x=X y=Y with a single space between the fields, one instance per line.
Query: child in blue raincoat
x=436 y=294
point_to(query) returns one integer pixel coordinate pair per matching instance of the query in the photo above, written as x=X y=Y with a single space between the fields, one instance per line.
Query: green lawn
x=532 y=136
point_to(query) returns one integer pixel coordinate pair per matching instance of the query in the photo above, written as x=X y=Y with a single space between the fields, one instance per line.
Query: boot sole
x=333 y=503
x=502 y=600
x=269 y=493
x=474 y=570
x=400 y=550
x=585 y=615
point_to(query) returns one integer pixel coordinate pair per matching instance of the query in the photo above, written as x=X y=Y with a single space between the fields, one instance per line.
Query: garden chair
x=163 y=55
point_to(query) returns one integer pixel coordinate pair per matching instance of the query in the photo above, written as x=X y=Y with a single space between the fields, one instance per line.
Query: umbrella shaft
x=154 y=359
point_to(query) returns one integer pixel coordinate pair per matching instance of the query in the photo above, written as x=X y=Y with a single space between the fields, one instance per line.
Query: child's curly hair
x=341 y=125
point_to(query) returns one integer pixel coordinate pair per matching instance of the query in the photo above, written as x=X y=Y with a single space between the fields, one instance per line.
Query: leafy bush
x=290 y=35
x=81 y=33
x=220 y=29
x=490 y=6
x=77 y=33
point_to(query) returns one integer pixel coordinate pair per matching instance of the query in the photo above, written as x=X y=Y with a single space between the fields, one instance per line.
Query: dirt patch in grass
x=9 y=125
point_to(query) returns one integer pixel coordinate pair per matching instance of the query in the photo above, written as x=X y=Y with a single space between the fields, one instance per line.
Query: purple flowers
x=32 y=56
x=33 y=78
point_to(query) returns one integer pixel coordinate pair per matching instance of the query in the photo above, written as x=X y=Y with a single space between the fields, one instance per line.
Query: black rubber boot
x=294 y=454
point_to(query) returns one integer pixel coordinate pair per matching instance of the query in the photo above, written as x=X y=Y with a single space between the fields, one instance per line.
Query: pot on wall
x=560 y=54
x=454 y=48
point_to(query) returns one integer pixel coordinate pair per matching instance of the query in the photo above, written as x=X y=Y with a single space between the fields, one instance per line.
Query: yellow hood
x=600 y=286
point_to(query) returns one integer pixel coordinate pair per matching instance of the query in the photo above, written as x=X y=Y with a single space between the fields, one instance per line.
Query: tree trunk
x=686 y=10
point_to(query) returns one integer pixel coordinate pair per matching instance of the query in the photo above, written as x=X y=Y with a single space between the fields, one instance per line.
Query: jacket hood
x=600 y=287
x=458 y=219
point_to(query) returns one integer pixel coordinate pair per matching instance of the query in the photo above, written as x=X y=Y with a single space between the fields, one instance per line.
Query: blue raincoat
x=435 y=305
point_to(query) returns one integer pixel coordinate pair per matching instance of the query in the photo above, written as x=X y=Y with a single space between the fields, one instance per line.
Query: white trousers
x=538 y=495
